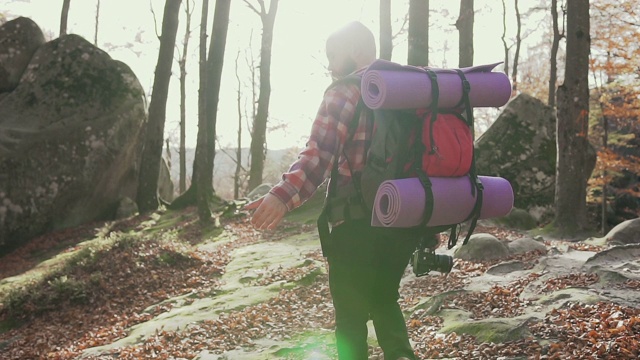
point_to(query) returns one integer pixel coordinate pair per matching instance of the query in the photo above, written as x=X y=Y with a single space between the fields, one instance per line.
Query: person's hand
x=269 y=212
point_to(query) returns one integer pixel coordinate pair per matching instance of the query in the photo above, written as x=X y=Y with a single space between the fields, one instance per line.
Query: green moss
x=9 y=324
x=104 y=83
x=309 y=345
x=518 y=219
x=568 y=232
x=433 y=304
x=311 y=277
x=489 y=331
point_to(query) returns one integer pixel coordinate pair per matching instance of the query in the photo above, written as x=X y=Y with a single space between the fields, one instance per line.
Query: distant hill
x=224 y=166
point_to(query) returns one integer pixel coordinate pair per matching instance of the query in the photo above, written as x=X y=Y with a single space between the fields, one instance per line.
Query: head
x=350 y=48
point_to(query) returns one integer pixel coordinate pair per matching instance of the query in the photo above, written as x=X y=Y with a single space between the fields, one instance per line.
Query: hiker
x=366 y=264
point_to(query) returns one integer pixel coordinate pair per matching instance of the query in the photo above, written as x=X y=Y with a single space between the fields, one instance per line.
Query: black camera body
x=425 y=260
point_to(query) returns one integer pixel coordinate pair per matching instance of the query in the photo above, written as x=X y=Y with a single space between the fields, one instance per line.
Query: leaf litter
x=130 y=283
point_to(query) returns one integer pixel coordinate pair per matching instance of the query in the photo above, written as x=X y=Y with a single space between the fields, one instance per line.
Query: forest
x=189 y=277
x=535 y=57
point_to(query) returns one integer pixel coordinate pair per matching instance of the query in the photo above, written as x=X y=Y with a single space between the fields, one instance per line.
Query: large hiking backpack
x=422 y=143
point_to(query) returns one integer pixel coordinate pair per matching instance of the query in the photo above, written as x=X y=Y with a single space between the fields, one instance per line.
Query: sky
x=298 y=76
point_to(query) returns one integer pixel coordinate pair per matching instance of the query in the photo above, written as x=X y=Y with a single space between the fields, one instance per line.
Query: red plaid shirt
x=326 y=143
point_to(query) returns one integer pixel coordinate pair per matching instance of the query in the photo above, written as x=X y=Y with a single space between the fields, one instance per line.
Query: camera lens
x=443 y=263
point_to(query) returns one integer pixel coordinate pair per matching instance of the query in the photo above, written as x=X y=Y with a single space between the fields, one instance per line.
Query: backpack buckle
x=466 y=86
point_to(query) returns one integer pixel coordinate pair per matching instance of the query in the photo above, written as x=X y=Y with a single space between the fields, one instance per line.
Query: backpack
x=407 y=143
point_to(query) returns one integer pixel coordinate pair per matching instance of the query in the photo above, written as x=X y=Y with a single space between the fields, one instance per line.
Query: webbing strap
x=435 y=98
x=464 y=100
x=477 y=208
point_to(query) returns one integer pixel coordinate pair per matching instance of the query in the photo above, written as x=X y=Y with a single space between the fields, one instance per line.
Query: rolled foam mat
x=388 y=85
x=401 y=202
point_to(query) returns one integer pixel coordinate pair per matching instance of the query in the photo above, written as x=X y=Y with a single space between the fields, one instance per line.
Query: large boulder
x=520 y=146
x=19 y=39
x=627 y=232
x=482 y=247
x=70 y=140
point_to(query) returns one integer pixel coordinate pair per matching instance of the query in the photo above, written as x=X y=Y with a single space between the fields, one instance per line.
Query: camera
x=424 y=259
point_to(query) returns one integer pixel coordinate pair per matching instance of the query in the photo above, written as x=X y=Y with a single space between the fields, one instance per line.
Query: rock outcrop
x=70 y=139
x=520 y=146
x=19 y=39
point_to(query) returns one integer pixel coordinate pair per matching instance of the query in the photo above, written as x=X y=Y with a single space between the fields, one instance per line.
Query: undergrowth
x=81 y=279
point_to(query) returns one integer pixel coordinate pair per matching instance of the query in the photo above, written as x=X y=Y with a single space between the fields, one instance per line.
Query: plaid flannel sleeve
x=325 y=143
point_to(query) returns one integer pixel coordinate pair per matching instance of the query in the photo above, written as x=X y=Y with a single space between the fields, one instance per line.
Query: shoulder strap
x=349 y=79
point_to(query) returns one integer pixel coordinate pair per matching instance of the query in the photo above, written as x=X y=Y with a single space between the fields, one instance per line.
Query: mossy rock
x=482 y=247
x=433 y=304
x=490 y=330
x=518 y=219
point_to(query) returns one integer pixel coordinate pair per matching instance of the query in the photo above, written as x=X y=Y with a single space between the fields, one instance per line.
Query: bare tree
x=189 y=197
x=182 y=63
x=259 y=129
x=95 y=34
x=516 y=56
x=215 y=61
x=236 y=175
x=572 y=171
x=64 y=15
x=464 y=24
x=202 y=100
x=418 y=33
x=504 y=35
x=386 y=37
x=557 y=36
x=147 y=197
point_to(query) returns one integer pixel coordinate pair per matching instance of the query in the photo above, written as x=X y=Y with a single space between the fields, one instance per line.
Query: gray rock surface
x=524 y=245
x=19 y=39
x=627 y=232
x=520 y=146
x=69 y=140
x=482 y=247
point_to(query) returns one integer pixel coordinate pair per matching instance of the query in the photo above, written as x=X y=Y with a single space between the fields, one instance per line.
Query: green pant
x=366 y=265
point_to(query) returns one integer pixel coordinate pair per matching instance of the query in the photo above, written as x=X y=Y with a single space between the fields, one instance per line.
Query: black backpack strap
x=475 y=212
x=435 y=98
x=420 y=148
x=464 y=100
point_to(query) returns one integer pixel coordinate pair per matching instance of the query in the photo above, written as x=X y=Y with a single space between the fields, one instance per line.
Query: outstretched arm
x=269 y=212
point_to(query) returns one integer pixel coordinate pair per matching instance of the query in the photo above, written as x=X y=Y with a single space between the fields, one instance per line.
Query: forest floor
x=165 y=287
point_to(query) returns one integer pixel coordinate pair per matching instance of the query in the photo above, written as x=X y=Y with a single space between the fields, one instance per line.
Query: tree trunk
x=201 y=145
x=183 y=98
x=258 y=136
x=215 y=61
x=605 y=145
x=572 y=127
x=464 y=24
x=418 y=33
x=504 y=41
x=516 y=55
x=236 y=175
x=386 y=37
x=147 y=197
x=64 y=15
x=553 y=73
x=95 y=34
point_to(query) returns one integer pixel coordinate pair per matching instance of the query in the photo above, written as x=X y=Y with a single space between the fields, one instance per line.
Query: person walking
x=366 y=264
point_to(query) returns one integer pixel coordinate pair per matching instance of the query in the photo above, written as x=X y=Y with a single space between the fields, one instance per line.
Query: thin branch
x=224 y=151
x=253 y=7
x=155 y=21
